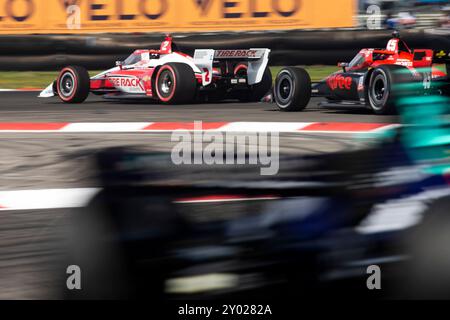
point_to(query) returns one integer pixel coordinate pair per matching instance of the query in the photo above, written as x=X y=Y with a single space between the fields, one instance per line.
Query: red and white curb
x=133 y=127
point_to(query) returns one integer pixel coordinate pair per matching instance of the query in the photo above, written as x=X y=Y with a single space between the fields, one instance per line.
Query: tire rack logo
x=338 y=81
x=236 y=54
x=130 y=84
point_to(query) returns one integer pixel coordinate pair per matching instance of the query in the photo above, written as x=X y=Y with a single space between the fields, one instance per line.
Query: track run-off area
x=46 y=148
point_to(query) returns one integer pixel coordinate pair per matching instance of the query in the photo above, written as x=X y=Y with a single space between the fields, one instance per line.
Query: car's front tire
x=175 y=83
x=73 y=84
x=292 y=89
x=387 y=84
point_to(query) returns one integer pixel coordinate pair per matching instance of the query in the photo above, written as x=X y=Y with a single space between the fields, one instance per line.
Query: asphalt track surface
x=46 y=160
x=31 y=241
x=25 y=106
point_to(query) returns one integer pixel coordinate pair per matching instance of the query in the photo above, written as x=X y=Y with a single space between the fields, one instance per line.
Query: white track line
x=46 y=199
x=264 y=126
x=105 y=127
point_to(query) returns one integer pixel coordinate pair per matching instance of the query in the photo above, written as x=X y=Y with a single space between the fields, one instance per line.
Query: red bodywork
x=398 y=53
x=351 y=84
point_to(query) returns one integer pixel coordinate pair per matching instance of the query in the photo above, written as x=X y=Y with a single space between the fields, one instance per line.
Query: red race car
x=369 y=80
x=171 y=77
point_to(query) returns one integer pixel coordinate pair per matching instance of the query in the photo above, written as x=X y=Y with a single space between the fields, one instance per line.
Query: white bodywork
x=201 y=63
x=258 y=59
x=47 y=92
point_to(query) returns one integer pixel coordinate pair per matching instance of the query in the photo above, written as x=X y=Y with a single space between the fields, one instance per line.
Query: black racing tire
x=257 y=91
x=387 y=84
x=73 y=84
x=175 y=83
x=292 y=89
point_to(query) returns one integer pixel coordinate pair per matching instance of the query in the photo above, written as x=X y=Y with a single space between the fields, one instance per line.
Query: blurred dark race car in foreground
x=370 y=80
x=159 y=231
x=169 y=76
x=154 y=231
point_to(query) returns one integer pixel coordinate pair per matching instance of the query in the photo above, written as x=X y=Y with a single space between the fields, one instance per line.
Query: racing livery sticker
x=338 y=81
x=128 y=84
x=255 y=54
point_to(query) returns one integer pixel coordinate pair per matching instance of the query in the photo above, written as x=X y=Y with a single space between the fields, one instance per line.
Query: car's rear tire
x=176 y=83
x=292 y=89
x=73 y=84
x=387 y=84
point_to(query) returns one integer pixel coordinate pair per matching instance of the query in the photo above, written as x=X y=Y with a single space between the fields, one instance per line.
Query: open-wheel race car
x=169 y=76
x=372 y=79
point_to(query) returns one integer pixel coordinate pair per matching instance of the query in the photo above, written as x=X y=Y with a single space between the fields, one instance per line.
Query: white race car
x=171 y=77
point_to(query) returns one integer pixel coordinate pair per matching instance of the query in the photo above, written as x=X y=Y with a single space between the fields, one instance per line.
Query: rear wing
x=257 y=59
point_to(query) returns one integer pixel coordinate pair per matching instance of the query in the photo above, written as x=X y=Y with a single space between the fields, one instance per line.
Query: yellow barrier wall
x=94 y=16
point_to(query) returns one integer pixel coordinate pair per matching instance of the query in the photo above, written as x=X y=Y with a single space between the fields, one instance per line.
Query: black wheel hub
x=379 y=90
x=285 y=88
x=66 y=84
x=166 y=83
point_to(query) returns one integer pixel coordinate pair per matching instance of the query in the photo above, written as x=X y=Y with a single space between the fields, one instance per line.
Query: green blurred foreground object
x=427 y=123
x=426 y=132
x=40 y=79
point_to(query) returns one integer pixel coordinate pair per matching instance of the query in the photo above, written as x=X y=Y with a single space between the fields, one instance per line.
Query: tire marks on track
x=63 y=161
